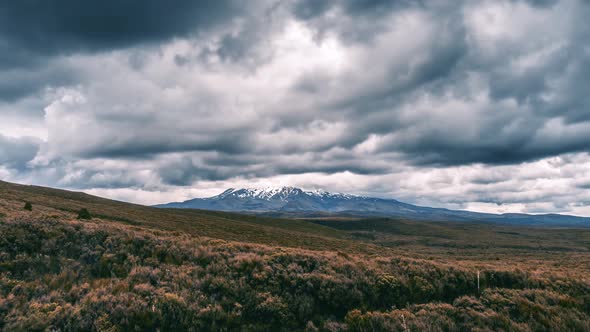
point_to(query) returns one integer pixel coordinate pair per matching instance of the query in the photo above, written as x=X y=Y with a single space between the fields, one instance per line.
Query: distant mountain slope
x=291 y=201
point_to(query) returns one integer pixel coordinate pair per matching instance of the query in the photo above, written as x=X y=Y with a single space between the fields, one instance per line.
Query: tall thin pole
x=477 y=281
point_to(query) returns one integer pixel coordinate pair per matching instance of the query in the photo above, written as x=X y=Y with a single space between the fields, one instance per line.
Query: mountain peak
x=266 y=193
x=284 y=193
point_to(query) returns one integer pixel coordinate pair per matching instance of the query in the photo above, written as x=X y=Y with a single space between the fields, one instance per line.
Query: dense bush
x=84 y=214
x=84 y=276
x=28 y=206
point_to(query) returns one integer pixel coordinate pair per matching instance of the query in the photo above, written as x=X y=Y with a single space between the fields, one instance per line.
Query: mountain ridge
x=294 y=201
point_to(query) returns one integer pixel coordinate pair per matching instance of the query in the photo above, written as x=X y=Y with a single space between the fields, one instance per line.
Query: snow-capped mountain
x=292 y=201
x=271 y=199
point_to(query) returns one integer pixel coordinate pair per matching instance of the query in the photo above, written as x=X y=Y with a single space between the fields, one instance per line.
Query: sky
x=478 y=105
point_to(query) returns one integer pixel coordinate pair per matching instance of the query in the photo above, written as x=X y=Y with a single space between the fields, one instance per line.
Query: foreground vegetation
x=84 y=276
x=58 y=273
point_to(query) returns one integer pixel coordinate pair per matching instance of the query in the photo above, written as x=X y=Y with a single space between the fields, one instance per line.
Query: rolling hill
x=132 y=267
x=214 y=224
x=295 y=202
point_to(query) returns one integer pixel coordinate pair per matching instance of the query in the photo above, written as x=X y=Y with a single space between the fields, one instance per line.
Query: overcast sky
x=480 y=105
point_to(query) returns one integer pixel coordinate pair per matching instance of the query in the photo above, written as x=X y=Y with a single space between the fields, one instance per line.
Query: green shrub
x=84 y=214
x=28 y=206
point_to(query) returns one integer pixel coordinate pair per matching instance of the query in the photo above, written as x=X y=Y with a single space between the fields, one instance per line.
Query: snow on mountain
x=268 y=193
x=280 y=193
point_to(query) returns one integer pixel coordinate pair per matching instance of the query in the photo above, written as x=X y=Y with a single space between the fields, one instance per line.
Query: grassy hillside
x=144 y=269
x=50 y=202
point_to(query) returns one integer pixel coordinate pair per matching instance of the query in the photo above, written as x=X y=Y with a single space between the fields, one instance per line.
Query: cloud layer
x=463 y=104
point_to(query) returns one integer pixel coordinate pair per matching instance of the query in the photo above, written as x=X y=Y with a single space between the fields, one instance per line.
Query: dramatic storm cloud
x=478 y=105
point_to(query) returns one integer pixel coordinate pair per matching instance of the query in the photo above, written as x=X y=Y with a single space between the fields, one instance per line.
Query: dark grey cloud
x=402 y=94
x=146 y=144
x=85 y=178
x=585 y=185
x=353 y=21
x=57 y=27
x=309 y=9
x=15 y=153
x=20 y=82
x=32 y=33
x=185 y=170
x=447 y=63
x=543 y=3
x=436 y=62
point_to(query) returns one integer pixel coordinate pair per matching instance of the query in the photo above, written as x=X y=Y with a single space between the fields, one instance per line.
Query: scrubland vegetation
x=85 y=276
x=58 y=273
